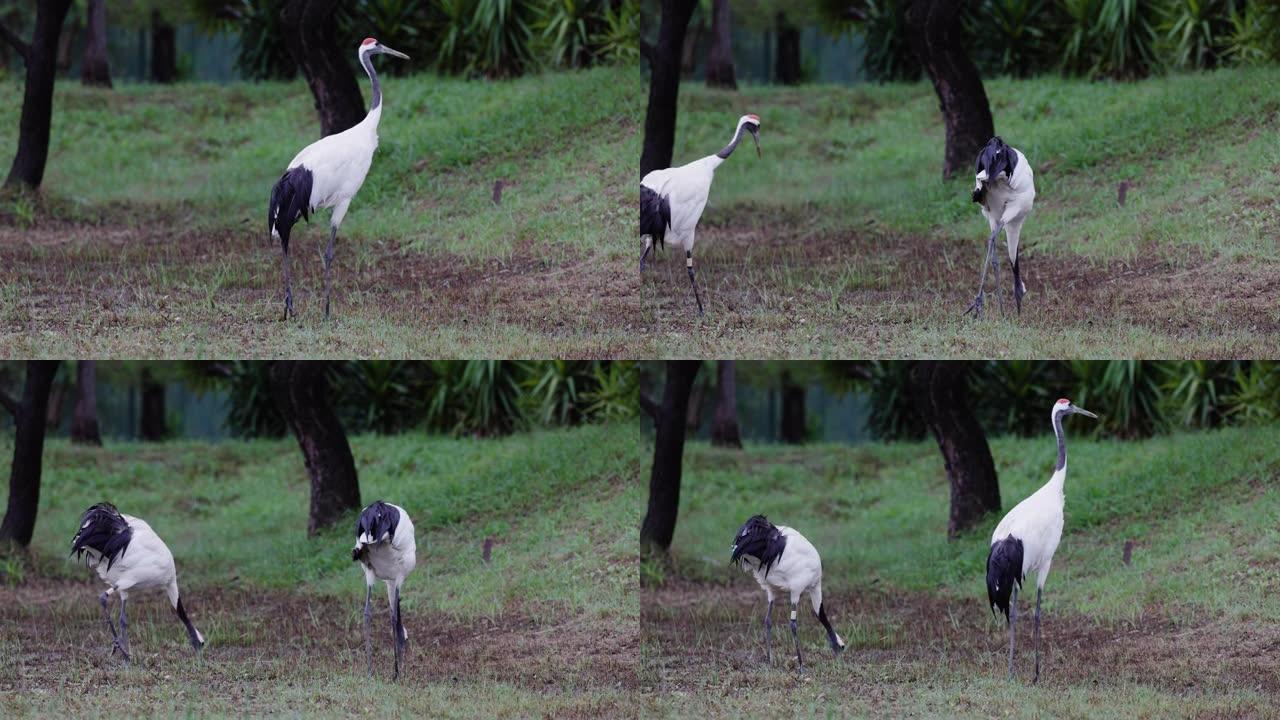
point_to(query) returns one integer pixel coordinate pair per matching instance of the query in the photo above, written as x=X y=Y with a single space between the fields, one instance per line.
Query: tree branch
x=18 y=44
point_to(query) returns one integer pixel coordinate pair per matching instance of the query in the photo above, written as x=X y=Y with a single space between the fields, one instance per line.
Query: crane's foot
x=117 y=647
x=975 y=308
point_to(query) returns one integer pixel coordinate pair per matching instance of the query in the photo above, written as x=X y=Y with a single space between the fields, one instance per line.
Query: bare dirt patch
x=789 y=276
x=58 y=633
x=690 y=632
x=225 y=288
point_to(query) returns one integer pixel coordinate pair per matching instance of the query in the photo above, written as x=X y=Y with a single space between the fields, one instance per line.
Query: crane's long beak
x=395 y=53
x=756 y=136
x=1085 y=413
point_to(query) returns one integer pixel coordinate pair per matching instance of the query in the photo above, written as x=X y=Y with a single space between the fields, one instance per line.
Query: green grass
x=1151 y=639
x=149 y=237
x=844 y=241
x=533 y=631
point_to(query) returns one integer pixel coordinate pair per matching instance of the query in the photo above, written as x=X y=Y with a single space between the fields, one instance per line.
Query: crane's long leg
x=795 y=636
x=368 y=618
x=402 y=638
x=648 y=245
x=1018 y=289
x=768 y=633
x=328 y=261
x=995 y=266
x=1037 y=634
x=393 y=599
x=288 y=287
x=105 y=599
x=124 y=631
x=976 y=306
x=1013 y=625
x=688 y=261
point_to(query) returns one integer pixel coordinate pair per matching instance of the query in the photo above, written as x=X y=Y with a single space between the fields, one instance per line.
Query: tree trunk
x=934 y=28
x=668 y=458
x=53 y=415
x=96 y=70
x=301 y=391
x=693 y=416
x=152 y=425
x=724 y=424
x=311 y=36
x=720 y=72
x=164 y=50
x=689 y=54
x=940 y=395
x=28 y=452
x=66 y=39
x=664 y=87
x=793 y=413
x=84 y=421
x=787 y=67
x=37 y=101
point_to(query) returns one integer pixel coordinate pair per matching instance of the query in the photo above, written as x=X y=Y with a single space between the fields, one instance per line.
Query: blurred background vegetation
x=216 y=400
x=853 y=40
x=851 y=401
x=228 y=40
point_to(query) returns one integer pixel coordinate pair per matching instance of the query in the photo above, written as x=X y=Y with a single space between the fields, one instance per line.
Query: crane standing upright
x=386 y=550
x=1025 y=540
x=672 y=200
x=327 y=173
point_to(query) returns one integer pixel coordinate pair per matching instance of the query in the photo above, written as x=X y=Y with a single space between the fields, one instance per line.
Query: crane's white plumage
x=129 y=556
x=327 y=174
x=783 y=562
x=386 y=550
x=1025 y=540
x=1005 y=188
x=672 y=199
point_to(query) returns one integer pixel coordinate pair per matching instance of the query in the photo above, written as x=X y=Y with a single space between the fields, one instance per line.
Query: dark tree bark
x=787 y=68
x=689 y=54
x=668 y=458
x=934 y=29
x=311 y=36
x=37 y=101
x=84 y=420
x=152 y=424
x=940 y=394
x=697 y=399
x=720 y=71
x=664 y=86
x=793 y=413
x=724 y=424
x=28 y=452
x=53 y=415
x=301 y=391
x=164 y=50
x=95 y=69
x=66 y=39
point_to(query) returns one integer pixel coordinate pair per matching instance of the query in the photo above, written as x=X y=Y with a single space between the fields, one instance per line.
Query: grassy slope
x=557 y=504
x=208 y=154
x=152 y=240
x=864 y=163
x=1200 y=507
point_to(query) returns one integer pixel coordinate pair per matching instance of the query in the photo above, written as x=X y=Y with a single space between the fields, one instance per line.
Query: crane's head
x=371 y=46
x=758 y=540
x=1065 y=407
x=994 y=158
x=751 y=123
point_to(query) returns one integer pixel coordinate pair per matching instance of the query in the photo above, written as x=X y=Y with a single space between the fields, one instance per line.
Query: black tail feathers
x=1004 y=568
x=290 y=200
x=655 y=215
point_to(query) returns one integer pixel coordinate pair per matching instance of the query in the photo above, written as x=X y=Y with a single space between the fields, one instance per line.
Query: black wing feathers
x=104 y=529
x=759 y=539
x=655 y=215
x=1004 y=568
x=290 y=200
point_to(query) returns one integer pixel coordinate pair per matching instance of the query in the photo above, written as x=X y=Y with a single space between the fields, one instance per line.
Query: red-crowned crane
x=1025 y=540
x=386 y=550
x=782 y=560
x=672 y=200
x=128 y=556
x=327 y=173
x=1005 y=187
